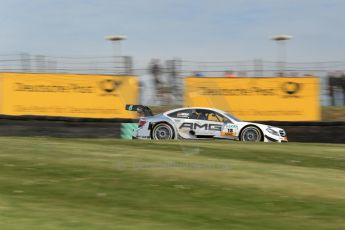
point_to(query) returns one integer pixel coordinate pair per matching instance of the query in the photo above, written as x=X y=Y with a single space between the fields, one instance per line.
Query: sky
x=202 y=30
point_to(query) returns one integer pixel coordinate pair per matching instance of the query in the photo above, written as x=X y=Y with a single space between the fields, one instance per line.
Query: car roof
x=216 y=110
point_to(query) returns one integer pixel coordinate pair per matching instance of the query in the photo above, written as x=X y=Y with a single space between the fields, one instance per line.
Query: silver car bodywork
x=224 y=126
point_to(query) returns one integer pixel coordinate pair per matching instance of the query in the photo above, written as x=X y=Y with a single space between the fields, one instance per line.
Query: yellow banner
x=260 y=99
x=1 y=94
x=70 y=95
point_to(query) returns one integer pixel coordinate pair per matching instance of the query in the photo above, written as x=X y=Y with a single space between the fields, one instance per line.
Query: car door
x=230 y=130
x=206 y=123
x=182 y=121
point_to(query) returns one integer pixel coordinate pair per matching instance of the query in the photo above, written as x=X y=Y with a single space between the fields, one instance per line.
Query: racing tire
x=251 y=134
x=162 y=131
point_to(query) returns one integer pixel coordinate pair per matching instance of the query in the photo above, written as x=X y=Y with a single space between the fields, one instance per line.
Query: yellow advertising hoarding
x=260 y=99
x=1 y=94
x=70 y=95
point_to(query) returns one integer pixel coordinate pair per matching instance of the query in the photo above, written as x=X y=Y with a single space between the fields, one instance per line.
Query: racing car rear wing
x=146 y=111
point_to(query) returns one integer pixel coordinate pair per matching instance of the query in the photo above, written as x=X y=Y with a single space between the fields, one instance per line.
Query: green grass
x=48 y=183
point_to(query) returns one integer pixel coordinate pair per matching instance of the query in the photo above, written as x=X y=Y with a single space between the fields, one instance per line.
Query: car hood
x=262 y=126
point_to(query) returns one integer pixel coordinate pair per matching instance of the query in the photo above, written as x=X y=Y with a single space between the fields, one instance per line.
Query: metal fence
x=24 y=62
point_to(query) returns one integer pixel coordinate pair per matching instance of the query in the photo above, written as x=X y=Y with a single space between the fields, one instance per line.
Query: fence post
x=128 y=64
x=25 y=62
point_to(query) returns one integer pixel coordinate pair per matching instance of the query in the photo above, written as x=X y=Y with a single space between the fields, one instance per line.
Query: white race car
x=201 y=123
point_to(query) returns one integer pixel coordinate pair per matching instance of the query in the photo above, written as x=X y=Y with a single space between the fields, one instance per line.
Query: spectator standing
x=229 y=73
x=331 y=85
x=156 y=71
x=198 y=74
x=342 y=82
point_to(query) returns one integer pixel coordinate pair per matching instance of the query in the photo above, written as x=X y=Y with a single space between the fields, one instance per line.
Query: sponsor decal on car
x=231 y=126
x=190 y=125
x=228 y=134
x=182 y=115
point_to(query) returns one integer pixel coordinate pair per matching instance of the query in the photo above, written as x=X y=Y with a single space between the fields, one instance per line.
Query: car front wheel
x=251 y=133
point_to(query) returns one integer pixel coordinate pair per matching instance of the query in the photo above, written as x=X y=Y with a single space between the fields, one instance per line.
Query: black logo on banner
x=291 y=89
x=110 y=87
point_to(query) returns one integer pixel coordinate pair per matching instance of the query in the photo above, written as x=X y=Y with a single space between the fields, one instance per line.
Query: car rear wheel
x=162 y=131
x=251 y=133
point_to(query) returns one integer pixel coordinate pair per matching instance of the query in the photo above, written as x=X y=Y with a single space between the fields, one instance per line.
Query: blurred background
x=161 y=81
x=162 y=43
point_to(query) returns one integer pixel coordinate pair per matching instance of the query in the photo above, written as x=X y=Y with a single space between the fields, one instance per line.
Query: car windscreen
x=232 y=117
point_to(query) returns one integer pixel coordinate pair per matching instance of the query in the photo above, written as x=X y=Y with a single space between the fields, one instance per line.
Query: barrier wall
x=261 y=99
x=322 y=132
x=69 y=95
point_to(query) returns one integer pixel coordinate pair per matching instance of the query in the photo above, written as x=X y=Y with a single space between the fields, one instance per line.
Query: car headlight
x=272 y=131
